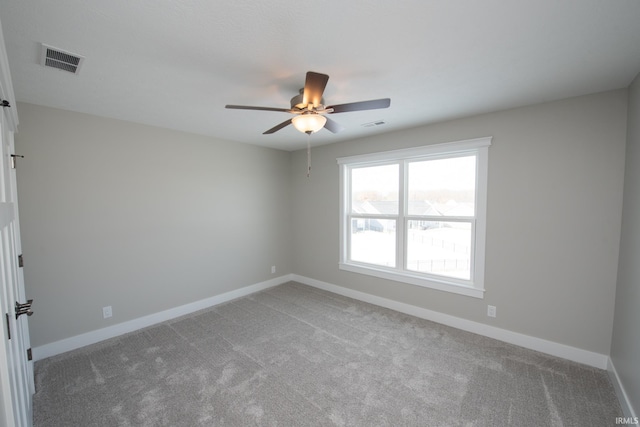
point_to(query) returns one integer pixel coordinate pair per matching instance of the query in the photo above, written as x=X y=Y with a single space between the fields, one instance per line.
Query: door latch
x=24 y=308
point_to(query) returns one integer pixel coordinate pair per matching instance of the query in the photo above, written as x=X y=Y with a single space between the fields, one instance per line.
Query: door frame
x=16 y=372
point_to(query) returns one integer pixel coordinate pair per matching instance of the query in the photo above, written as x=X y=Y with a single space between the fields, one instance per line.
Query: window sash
x=442 y=156
x=369 y=224
x=471 y=250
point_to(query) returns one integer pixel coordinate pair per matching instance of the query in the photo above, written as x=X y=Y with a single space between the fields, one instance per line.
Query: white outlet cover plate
x=107 y=312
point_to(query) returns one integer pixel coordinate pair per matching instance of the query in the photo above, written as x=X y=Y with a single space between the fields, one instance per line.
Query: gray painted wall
x=146 y=219
x=625 y=348
x=141 y=218
x=554 y=213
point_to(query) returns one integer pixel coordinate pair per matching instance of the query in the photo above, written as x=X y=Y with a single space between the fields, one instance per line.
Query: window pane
x=442 y=248
x=373 y=241
x=443 y=187
x=374 y=190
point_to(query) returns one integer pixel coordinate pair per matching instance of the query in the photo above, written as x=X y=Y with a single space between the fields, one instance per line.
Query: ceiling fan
x=309 y=110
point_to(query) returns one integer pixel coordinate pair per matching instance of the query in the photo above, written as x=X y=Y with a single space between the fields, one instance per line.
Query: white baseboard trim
x=72 y=343
x=627 y=409
x=555 y=349
x=586 y=357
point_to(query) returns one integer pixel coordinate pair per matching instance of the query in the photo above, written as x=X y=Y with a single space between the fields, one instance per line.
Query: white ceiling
x=176 y=63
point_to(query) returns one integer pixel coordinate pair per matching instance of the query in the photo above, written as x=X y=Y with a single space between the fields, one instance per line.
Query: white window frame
x=478 y=147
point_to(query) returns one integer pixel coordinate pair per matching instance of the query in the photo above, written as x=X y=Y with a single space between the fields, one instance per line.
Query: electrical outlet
x=273 y=269
x=491 y=310
x=107 y=312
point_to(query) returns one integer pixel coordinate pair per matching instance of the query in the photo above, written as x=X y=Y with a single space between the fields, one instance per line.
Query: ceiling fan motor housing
x=296 y=101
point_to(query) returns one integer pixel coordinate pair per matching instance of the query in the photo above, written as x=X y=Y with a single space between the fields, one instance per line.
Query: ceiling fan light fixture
x=309 y=123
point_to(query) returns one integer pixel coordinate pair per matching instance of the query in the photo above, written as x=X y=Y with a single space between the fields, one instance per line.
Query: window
x=417 y=215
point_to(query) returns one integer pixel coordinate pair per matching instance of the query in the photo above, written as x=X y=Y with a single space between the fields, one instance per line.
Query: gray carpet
x=298 y=356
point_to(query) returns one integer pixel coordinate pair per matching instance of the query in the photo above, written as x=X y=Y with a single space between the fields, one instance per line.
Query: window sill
x=441 y=285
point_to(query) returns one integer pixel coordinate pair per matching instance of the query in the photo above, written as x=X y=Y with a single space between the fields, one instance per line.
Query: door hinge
x=20 y=261
x=5 y=103
x=29 y=355
x=13 y=160
x=8 y=326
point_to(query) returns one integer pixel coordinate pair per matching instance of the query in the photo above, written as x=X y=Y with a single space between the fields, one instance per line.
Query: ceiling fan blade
x=277 y=127
x=314 y=88
x=249 y=107
x=333 y=126
x=361 y=106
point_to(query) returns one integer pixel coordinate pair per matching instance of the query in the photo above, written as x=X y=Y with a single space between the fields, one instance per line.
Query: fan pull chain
x=309 y=155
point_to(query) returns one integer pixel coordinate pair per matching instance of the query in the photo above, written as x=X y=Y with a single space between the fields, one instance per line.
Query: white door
x=16 y=371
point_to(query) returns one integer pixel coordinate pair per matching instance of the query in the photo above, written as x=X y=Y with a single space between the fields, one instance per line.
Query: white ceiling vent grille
x=57 y=58
x=372 y=124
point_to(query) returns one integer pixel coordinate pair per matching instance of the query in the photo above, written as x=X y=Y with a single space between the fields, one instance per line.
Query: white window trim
x=474 y=287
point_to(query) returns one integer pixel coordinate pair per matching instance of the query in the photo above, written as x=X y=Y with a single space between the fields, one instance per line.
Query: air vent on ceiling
x=57 y=58
x=372 y=124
